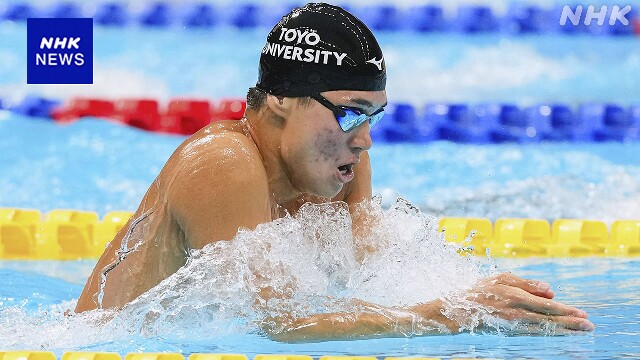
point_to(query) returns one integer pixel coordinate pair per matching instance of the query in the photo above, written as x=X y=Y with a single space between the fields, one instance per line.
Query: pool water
x=606 y=288
x=86 y=165
x=100 y=166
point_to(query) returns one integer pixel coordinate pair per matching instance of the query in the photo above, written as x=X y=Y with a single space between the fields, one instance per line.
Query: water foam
x=295 y=266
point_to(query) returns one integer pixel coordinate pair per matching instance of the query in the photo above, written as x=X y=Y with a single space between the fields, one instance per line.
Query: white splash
x=297 y=266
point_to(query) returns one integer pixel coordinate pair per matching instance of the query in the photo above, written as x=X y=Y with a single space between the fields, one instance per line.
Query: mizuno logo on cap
x=377 y=63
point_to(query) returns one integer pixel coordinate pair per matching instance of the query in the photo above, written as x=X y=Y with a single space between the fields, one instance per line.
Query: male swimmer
x=304 y=137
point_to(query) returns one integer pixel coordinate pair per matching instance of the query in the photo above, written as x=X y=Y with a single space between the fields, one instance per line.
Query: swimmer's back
x=214 y=183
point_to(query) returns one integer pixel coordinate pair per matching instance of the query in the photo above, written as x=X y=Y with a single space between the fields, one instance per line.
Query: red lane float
x=140 y=113
x=182 y=116
x=79 y=107
x=229 y=109
x=186 y=116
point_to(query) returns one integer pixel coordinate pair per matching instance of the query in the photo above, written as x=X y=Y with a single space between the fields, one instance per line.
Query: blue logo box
x=60 y=51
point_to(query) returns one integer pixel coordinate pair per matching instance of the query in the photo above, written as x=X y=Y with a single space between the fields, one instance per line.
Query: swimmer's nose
x=361 y=138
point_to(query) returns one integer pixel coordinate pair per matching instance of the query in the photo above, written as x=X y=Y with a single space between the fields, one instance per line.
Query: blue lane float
x=528 y=19
x=111 y=14
x=65 y=9
x=19 y=12
x=35 y=106
x=201 y=15
x=156 y=15
x=476 y=19
x=468 y=19
x=381 y=17
x=499 y=123
x=428 y=18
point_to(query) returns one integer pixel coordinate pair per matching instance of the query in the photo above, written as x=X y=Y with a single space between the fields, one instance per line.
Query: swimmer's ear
x=280 y=105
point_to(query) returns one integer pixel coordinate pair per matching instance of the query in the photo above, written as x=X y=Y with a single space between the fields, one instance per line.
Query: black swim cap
x=320 y=47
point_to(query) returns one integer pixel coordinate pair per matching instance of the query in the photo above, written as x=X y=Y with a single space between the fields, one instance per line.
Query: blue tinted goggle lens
x=353 y=119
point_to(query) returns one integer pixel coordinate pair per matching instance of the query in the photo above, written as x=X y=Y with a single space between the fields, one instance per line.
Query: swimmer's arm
x=354 y=193
x=223 y=188
x=374 y=321
x=506 y=296
x=359 y=189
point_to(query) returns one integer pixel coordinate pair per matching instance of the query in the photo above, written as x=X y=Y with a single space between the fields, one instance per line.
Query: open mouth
x=346 y=170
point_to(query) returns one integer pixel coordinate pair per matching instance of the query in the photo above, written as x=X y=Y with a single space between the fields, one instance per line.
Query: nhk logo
x=615 y=14
x=60 y=51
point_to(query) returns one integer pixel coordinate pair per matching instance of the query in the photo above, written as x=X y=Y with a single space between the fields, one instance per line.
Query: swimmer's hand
x=526 y=305
x=523 y=307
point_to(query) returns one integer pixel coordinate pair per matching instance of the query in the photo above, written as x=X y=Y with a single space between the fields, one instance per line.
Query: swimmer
x=304 y=138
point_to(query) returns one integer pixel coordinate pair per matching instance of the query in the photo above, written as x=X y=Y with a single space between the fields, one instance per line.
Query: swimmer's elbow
x=81 y=307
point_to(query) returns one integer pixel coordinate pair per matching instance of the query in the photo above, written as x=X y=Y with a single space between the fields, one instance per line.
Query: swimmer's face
x=318 y=156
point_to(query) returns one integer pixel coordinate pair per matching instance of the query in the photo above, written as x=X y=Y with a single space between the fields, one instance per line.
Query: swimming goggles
x=349 y=118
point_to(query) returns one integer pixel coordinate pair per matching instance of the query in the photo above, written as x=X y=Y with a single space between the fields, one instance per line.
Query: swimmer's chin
x=326 y=195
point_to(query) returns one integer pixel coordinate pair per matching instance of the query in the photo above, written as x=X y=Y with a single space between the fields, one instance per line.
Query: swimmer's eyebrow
x=364 y=102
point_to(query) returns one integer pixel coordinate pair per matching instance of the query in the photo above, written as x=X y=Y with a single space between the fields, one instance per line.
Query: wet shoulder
x=223 y=143
x=218 y=151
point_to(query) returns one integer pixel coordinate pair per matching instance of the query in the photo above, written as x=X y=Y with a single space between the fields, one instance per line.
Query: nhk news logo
x=59 y=51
